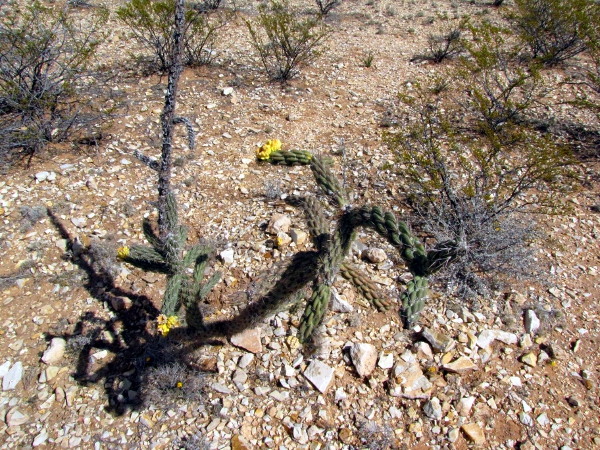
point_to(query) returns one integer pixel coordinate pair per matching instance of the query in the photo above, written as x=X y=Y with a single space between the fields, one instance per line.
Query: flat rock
x=462 y=364
x=474 y=433
x=298 y=236
x=423 y=350
x=55 y=352
x=320 y=375
x=15 y=417
x=4 y=369
x=40 y=439
x=440 y=342
x=464 y=405
x=227 y=256
x=433 y=409
x=530 y=359
x=279 y=222
x=12 y=377
x=486 y=337
x=364 y=358
x=532 y=322
x=410 y=381
x=338 y=304
x=221 y=388
x=245 y=360
x=386 y=360
x=248 y=340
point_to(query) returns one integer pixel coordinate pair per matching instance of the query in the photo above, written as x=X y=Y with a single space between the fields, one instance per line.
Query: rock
x=440 y=342
x=530 y=359
x=433 y=409
x=55 y=351
x=320 y=375
x=338 y=304
x=51 y=372
x=248 y=340
x=474 y=433
x=423 y=350
x=91 y=184
x=340 y=395
x=543 y=419
x=525 y=419
x=298 y=236
x=283 y=239
x=532 y=323
x=120 y=303
x=227 y=91
x=574 y=401
x=408 y=381
x=486 y=337
x=386 y=360
x=4 y=369
x=245 y=360
x=462 y=364
x=227 y=256
x=146 y=420
x=70 y=395
x=525 y=341
x=14 y=417
x=464 y=405
x=12 y=377
x=279 y=222
x=41 y=176
x=40 y=439
x=364 y=358
x=375 y=255
x=453 y=434
x=240 y=443
x=240 y=376
x=221 y=388
x=557 y=352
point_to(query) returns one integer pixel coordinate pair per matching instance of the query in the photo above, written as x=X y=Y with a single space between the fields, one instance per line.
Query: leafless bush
x=169 y=383
x=325 y=6
x=442 y=47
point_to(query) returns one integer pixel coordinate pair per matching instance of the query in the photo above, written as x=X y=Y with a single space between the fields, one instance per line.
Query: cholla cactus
x=166 y=253
x=332 y=248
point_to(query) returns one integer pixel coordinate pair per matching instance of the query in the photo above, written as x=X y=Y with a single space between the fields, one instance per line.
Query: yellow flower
x=179 y=385
x=272 y=145
x=164 y=323
x=279 y=241
x=162 y=319
x=123 y=252
x=163 y=329
x=172 y=322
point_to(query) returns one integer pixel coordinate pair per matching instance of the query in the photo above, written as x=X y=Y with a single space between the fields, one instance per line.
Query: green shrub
x=443 y=46
x=552 y=29
x=284 y=41
x=325 y=6
x=44 y=57
x=151 y=23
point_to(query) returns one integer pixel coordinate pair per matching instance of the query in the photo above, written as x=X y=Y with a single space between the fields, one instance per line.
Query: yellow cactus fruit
x=123 y=252
x=272 y=145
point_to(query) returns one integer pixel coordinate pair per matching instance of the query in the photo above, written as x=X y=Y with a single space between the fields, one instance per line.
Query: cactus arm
x=315 y=309
x=207 y=287
x=171 y=301
x=317 y=224
x=152 y=163
x=190 y=130
x=364 y=286
x=413 y=301
x=146 y=258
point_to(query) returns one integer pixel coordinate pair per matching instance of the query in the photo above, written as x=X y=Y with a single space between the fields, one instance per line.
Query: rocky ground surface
x=80 y=362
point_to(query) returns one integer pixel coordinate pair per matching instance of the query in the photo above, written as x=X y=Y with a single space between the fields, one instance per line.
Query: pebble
x=298 y=236
x=474 y=433
x=532 y=322
x=245 y=360
x=55 y=352
x=227 y=91
x=374 y=255
x=440 y=342
x=248 y=340
x=464 y=405
x=364 y=358
x=423 y=350
x=530 y=359
x=386 y=360
x=4 y=368
x=462 y=364
x=12 y=377
x=433 y=409
x=338 y=304
x=227 y=256
x=40 y=439
x=320 y=375
x=14 y=417
x=279 y=222
x=221 y=388
x=486 y=337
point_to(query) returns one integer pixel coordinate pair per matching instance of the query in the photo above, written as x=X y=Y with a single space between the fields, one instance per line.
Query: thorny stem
x=167 y=117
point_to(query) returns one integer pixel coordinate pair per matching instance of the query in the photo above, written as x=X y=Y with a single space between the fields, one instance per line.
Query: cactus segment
x=313 y=314
x=364 y=286
x=171 y=301
x=146 y=258
x=207 y=287
x=327 y=182
x=171 y=216
x=151 y=237
x=413 y=301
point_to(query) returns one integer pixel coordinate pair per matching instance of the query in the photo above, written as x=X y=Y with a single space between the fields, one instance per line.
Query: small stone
x=374 y=255
x=486 y=337
x=440 y=342
x=240 y=443
x=12 y=377
x=364 y=358
x=227 y=91
x=338 y=304
x=248 y=340
x=474 y=433
x=221 y=388
x=543 y=420
x=462 y=364
x=433 y=409
x=532 y=322
x=41 y=176
x=70 y=395
x=283 y=239
x=227 y=256
x=423 y=350
x=91 y=184
x=40 y=439
x=245 y=360
x=14 y=417
x=51 y=372
x=464 y=405
x=557 y=352
x=525 y=419
x=146 y=420
x=298 y=236
x=453 y=434
x=386 y=360
x=279 y=222
x=525 y=341
x=530 y=359
x=55 y=351
x=574 y=401
x=345 y=436
x=120 y=303
x=4 y=369
x=320 y=375
x=46 y=310
x=340 y=395
x=240 y=376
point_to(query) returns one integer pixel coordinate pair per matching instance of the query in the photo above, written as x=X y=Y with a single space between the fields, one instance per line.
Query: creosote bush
x=150 y=22
x=44 y=57
x=443 y=46
x=552 y=30
x=284 y=40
